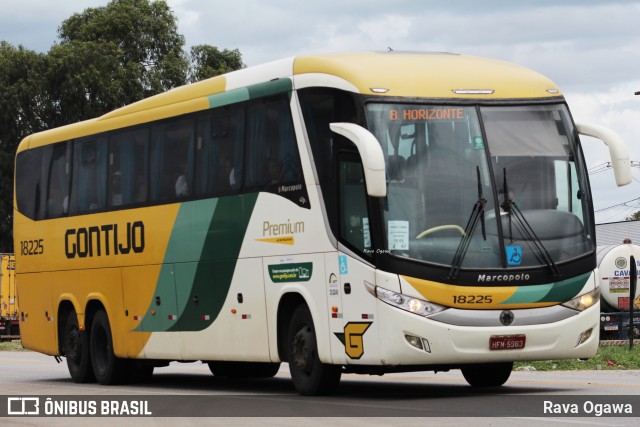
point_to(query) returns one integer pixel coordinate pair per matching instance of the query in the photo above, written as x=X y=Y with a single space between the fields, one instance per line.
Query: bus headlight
x=584 y=301
x=404 y=302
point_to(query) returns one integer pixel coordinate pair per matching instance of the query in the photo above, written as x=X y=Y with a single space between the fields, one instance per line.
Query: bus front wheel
x=107 y=368
x=75 y=346
x=310 y=376
x=487 y=375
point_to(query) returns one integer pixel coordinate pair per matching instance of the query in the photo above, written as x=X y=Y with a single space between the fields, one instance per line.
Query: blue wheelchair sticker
x=514 y=255
x=342 y=260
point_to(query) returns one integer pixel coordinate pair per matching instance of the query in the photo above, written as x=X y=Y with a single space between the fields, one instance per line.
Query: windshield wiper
x=524 y=228
x=477 y=213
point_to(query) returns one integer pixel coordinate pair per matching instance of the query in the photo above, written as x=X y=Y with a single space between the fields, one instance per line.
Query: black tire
x=75 y=348
x=487 y=375
x=108 y=369
x=244 y=369
x=310 y=376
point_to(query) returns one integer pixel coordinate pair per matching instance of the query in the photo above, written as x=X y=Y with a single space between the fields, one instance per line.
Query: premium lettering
x=269 y=229
x=104 y=240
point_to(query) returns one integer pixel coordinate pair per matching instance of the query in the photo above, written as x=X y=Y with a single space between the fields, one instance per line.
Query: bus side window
x=58 y=171
x=219 y=147
x=171 y=159
x=28 y=183
x=128 y=166
x=89 y=175
x=272 y=153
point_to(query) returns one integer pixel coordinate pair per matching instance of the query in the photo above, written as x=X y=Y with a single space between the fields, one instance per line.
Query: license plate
x=507 y=342
x=611 y=328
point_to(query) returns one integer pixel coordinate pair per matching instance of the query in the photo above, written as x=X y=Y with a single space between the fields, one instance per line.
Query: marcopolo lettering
x=502 y=277
x=104 y=240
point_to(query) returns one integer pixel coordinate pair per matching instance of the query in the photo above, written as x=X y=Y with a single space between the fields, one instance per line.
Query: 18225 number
x=32 y=247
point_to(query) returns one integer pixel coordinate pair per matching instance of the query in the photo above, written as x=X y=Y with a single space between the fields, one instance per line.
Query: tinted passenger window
x=29 y=182
x=272 y=153
x=128 y=168
x=89 y=181
x=57 y=157
x=171 y=159
x=219 y=151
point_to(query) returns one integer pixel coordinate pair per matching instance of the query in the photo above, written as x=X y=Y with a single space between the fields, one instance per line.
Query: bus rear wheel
x=75 y=347
x=108 y=368
x=487 y=375
x=310 y=376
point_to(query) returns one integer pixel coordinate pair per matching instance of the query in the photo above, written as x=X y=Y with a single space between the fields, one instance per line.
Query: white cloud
x=588 y=47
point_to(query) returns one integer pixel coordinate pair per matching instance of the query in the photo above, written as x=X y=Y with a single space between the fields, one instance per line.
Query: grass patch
x=610 y=357
x=14 y=345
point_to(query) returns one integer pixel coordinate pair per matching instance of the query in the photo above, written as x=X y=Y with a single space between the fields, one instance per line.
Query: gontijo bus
x=358 y=212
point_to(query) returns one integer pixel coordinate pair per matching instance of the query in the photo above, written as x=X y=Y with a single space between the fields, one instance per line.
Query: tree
x=633 y=217
x=207 y=61
x=106 y=57
x=138 y=36
x=20 y=78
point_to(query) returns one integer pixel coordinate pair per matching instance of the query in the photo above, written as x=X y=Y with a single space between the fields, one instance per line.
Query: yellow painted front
x=482 y=297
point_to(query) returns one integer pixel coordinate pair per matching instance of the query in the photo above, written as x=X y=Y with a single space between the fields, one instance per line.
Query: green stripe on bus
x=226 y=98
x=217 y=264
x=528 y=294
x=561 y=291
x=199 y=264
x=566 y=290
x=260 y=90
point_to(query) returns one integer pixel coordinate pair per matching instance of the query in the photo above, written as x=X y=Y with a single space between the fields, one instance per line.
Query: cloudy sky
x=590 y=48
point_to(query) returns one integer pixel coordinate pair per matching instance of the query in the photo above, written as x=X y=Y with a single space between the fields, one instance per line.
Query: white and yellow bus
x=362 y=212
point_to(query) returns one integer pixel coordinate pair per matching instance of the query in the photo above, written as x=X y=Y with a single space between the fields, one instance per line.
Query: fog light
x=584 y=337
x=427 y=346
x=414 y=341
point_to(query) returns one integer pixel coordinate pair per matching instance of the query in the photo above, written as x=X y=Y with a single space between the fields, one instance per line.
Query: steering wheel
x=441 y=228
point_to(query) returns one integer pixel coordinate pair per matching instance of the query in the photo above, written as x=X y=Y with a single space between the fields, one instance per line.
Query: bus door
x=355 y=326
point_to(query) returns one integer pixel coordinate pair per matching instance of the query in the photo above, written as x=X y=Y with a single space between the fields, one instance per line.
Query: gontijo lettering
x=104 y=240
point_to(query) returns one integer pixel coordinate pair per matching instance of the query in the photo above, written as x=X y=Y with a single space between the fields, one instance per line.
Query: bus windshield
x=506 y=194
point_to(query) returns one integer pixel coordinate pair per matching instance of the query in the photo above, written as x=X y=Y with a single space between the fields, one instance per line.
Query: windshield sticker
x=299 y=272
x=399 y=235
x=366 y=233
x=514 y=255
x=427 y=114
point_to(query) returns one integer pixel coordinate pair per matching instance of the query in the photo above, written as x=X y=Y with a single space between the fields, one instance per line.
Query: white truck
x=614 y=276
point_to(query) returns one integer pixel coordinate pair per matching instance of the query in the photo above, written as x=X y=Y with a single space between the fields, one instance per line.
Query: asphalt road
x=184 y=392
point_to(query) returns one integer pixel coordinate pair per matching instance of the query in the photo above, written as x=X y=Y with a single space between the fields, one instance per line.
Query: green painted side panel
x=218 y=259
x=163 y=303
x=199 y=264
x=190 y=231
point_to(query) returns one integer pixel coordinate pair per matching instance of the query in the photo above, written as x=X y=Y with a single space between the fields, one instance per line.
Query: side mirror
x=617 y=150
x=371 y=153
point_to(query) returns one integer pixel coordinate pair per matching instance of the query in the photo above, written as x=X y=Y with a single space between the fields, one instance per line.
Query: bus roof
x=394 y=74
